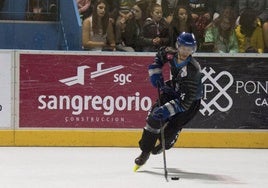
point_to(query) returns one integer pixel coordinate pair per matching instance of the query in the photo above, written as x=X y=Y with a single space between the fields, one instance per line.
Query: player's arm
x=155 y=69
x=193 y=91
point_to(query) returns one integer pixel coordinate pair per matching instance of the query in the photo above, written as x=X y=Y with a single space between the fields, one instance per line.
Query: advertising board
x=84 y=91
x=114 y=91
x=235 y=93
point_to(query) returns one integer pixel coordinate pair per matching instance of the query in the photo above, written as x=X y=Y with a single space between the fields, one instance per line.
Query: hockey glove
x=156 y=80
x=167 y=110
x=160 y=113
x=156 y=77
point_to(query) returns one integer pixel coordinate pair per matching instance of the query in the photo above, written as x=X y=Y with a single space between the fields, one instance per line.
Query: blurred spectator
x=201 y=11
x=144 y=6
x=181 y=22
x=113 y=9
x=220 y=34
x=169 y=8
x=261 y=6
x=124 y=15
x=132 y=28
x=155 y=32
x=220 y=5
x=249 y=32
x=42 y=10
x=84 y=8
x=97 y=30
x=124 y=7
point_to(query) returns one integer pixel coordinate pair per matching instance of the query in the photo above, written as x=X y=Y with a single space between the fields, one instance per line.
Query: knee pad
x=155 y=124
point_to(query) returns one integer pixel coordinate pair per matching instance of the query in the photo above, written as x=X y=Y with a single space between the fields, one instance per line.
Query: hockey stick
x=162 y=132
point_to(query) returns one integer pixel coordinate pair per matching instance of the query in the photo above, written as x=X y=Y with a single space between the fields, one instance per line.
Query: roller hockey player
x=180 y=96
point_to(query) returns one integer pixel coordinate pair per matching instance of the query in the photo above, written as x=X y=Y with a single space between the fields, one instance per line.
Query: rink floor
x=106 y=167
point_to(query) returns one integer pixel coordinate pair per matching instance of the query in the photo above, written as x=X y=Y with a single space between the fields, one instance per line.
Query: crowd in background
x=227 y=26
x=223 y=26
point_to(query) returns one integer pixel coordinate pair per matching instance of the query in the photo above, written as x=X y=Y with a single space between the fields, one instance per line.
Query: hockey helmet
x=188 y=40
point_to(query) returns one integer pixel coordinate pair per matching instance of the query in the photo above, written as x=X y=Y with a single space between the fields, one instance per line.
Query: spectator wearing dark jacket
x=132 y=28
x=155 y=32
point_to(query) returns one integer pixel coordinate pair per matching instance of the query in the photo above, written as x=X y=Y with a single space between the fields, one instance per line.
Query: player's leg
x=151 y=133
x=171 y=136
x=175 y=126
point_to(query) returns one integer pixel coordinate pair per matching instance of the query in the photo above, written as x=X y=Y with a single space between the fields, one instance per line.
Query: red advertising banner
x=114 y=91
x=84 y=91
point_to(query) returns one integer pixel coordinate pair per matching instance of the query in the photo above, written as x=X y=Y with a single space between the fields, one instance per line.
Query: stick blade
x=166 y=175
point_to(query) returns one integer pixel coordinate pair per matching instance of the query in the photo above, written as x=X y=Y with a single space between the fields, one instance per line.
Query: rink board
x=115 y=138
x=232 y=115
x=113 y=90
x=124 y=138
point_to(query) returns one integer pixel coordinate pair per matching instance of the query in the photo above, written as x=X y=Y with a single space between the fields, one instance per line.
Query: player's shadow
x=174 y=172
